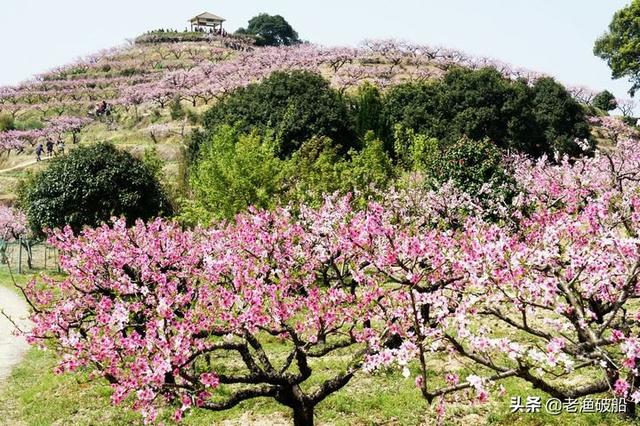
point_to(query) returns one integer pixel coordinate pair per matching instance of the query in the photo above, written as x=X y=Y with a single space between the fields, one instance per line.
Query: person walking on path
x=60 y=149
x=49 y=148
x=39 y=150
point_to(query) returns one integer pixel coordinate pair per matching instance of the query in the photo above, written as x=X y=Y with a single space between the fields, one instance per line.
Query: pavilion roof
x=208 y=16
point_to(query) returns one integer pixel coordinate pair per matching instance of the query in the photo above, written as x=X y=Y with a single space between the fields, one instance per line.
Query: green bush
x=557 y=120
x=6 y=122
x=88 y=187
x=630 y=121
x=153 y=162
x=475 y=167
x=317 y=169
x=367 y=109
x=297 y=106
x=605 y=100
x=414 y=151
x=129 y=72
x=369 y=170
x=469 y=165
x=235 y=171
x=480 y=104
x=193 y=117
x=29 y=124
x=232 y=172
x=176 y=110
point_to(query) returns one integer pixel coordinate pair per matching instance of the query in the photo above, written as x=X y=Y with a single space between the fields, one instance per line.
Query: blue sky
x=552 y=36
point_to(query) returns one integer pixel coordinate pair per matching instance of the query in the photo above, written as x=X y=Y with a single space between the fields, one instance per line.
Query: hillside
x=142 y=81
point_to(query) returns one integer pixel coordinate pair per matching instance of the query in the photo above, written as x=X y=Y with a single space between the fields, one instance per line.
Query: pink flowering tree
x=189 y=318
x=552 y=297
x=13 y=227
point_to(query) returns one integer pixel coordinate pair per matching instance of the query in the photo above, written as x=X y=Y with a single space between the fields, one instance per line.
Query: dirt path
x=12 y=348
x=23 y=165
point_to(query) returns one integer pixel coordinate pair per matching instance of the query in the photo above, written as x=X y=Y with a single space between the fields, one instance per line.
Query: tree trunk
x=29 y=254
x=630 y=412
x=303 y=408
x=303 y=415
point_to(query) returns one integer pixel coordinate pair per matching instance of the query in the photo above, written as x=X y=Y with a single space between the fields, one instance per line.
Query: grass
x=20 y=279
x=34 y=395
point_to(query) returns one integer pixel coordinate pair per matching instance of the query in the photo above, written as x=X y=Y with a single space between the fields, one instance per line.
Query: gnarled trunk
x=303 y=415
x=301 y=404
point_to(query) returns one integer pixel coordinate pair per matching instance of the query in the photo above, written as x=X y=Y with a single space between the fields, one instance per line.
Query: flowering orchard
x=210 y=318
x=54 y=130
x=155 y=74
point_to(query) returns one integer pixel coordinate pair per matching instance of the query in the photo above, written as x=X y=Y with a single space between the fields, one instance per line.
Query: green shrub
x=297 y=106
x=368 y=106
x=370 y=169
x=414 y=151
x=480 y=104
x=6 y=122
x=630 y=121
x=469 y=165
x=557 y=120
x=29 y=124
x=89 y=186
x=176 y=110
x=605 y=100
x=232 y=172
x=193 y=117
x=128 y=72
x=317 y=169
x=153 y=162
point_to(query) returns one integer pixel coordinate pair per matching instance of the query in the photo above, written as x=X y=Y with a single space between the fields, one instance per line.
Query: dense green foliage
x=605 y=100
x=292 y=138
x=482 y=104
x=318 y=169
x=620 y=46
x=475 y=167
x=6 y=122
x=175 y=110
x=297 y=106
x=270 y=30
x=367 y=109
x=234 y=171
x=89 y=186
x=470 y=165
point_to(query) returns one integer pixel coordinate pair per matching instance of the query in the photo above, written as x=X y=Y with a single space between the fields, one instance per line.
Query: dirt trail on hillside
x=22 y=165
x=12 y=348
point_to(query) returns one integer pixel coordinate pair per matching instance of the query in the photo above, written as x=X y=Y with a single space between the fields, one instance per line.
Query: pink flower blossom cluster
x=13 y=223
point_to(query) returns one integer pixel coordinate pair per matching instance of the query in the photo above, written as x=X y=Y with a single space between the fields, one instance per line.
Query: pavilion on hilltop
x=205 y=21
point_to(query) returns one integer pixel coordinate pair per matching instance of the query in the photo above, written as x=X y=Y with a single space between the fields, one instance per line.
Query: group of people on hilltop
x=215 y=31
x=104 y=109
x=50 y=149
